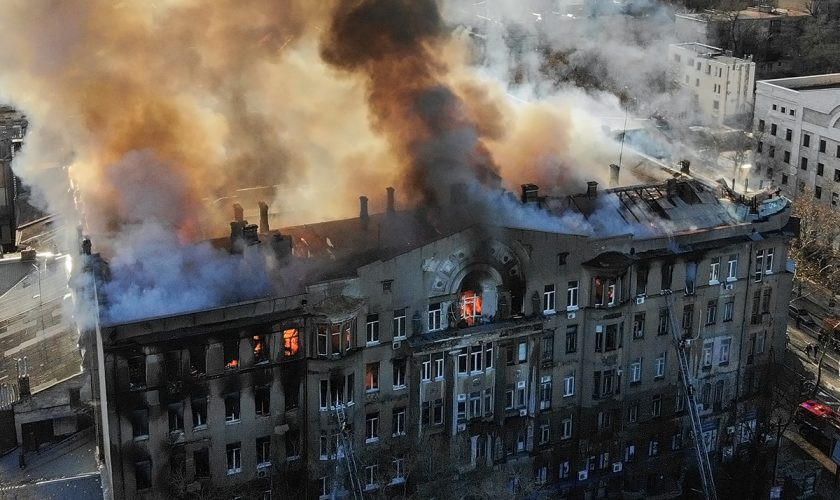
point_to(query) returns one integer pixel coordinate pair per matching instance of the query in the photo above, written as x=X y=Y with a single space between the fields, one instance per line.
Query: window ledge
x=231 y=422
x=371 y=440
x=549 y=312
x=263 y=465
x=398 y=387
x=141 y=438
x=201 y=427
x=231 y=472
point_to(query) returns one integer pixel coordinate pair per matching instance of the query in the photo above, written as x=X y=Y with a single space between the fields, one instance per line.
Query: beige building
x=535 y=360
x=797 y=130
x=722 y=84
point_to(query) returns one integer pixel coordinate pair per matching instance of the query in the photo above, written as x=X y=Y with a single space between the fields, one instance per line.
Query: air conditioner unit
x=523 y=412
x=617 y=466
x=462 y=397
x=599 y=328
x=583 y=475
x=545 y=378
x=728 y=286
x=520 y=384
x=261 y=473
x=640 y=300
x=570 y=315
x=462 y=427
x=730 y=430
x=396 y=344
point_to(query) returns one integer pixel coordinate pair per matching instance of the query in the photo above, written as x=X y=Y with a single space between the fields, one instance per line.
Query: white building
x=722 y=84
x=797 y=130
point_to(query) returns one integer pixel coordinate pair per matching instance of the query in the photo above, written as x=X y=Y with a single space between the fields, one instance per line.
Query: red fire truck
x=818 y=423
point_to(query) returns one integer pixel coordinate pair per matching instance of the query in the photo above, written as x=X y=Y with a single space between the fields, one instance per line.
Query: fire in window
x=231 y=348
x=291 y=341
x=470 y=307
x=260 y=343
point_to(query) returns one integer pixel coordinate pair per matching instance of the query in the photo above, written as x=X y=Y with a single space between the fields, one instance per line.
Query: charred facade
x=547 y=358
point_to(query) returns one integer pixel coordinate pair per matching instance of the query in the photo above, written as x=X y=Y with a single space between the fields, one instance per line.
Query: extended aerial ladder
x=344 y=451
x=706 y=474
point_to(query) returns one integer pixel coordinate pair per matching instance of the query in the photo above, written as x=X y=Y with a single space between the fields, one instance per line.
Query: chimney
x=685 y=167
x=282 y=245
x=237 y=230
x=614 y=171
x=263 y=217
x=364 y=218
x=87 y=246
x=458 y=194
x=391 y=207
x=530 y=193
x=591 y=189
x=238 y=213
x=23 y=386
x=671 y=188
x=251 y=235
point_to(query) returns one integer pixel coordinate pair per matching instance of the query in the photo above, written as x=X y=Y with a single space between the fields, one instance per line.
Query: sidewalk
x=69 y=458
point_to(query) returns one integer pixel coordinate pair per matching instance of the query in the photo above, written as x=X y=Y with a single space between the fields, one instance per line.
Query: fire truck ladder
x=706 y=474
x=345 y=445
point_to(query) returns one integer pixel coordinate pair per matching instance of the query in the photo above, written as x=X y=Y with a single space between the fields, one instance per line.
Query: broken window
x=599 y=291
x=470 y=307
x=137 y=372
x=260 y=345
x=172 y=359
x=690 y=277
x=201 y=458
x=263 y=451
x=291 y=342
x=199 y=412
x=667 y=275
x=198 y=360
x=548 y=348
x=641 y=281
x=262 y=400
x=293 y=444
x=291 y=387
x=611 y=337
x=321 y=341
x=437 y=412
x=176 y=417
x=234 y=458
x=232 y=407
x=372 y=377
x=688 y=319
x=231 y=348
x=140 y=423
x=335 y=338
x=639 y=325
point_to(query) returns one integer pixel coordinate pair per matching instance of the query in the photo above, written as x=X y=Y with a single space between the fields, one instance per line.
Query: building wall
x=802 y=113
x=723 y=86
x=527 y=349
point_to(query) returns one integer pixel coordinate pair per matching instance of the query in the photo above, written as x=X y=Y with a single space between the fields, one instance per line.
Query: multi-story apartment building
x=12 y=129
x=413 y=351
x=797 y=132
x=722 y=84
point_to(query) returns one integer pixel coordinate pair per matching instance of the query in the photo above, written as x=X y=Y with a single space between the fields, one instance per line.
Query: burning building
x=409 y=349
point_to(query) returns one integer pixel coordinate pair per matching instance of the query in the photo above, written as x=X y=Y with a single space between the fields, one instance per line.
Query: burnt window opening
x=232 y=408
x=291 y=342
x=548 y=348
x=198 y=360
x=372 y=377
x=292 y=444
x=201 y=458
x=639 y=325
x=387 y=285
x=143 y=475
x=664 y=319
x=291 y=389
x=262 y=401
x=478 y=298
x=667 y=275
x=337 y=392
x=333 y=339
x=199 y=412
x=605 y=291
x=690 y=277
x=140 y=423
x=641 y=281
x=688 y=319
x=260 y=346
x=173 y=365
x=561 y=258
x=176 y=417
x=470 y=307
x=137 y=372
x=231 y=348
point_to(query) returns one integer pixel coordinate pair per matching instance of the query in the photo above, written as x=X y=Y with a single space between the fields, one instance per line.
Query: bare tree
x=815 y=250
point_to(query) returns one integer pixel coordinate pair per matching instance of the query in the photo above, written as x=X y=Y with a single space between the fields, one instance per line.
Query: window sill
x=549 y=312
x=723 y=363
x=714 y=282
x=232 y=422
x=371 y=440
x=141 y=438
x=202 y=427
x=371 y=391
x=293 y=458
x=400 y=338
x=398 y=387
x=572 y=308
x=231 y=472
x=398 y=434
x=372 y=343
x=263 y=465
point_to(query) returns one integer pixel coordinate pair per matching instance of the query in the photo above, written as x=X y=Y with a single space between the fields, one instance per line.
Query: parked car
x=800 y=314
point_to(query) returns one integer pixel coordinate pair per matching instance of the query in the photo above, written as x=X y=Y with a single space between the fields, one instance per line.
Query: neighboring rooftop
x=750 y=13
x=704 y=51
x=828 y=81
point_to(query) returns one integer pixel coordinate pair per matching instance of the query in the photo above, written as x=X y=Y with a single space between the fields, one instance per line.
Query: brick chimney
x=685 y=167
x=591 y=189
x=364 y=218
x=391 y=206
x=263 y=217
x=238 y=213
